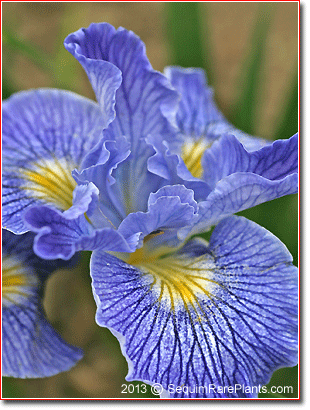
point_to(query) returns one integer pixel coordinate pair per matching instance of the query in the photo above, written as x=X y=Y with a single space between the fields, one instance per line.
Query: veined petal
x=143 y=94
x=144 y=103
x=30 y=345
x=196 y=109
x=206 y=317
x=235 y=193
x=45 y=135
x=198 y=117
x=60 y=237
x=227 y=156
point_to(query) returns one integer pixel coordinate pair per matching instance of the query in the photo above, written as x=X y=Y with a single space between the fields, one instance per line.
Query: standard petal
x=227 y=156
x=197 y=108
x=30 y=345
x=143 y=95
x=46 y=133
x=206 y=318
x=198 y=116
x=60 y=237
x=144 y=103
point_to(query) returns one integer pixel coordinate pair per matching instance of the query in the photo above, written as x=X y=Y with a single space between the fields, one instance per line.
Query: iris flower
x=30 y=345
x=133 y=177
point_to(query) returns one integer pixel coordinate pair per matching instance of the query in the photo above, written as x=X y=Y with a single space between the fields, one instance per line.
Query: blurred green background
x=250 y=53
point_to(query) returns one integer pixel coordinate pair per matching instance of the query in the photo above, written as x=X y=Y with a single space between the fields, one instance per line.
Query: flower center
x=18 y=282
x=51 y=181
x=191 y=154
x=178 y=280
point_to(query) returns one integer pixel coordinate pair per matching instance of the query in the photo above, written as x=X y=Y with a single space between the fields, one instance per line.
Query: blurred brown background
x=69 y=302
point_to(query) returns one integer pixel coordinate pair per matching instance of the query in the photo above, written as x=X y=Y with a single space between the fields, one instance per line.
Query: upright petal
x=144 y=94
x=196 y=109
x=145 y=103
x=206 y=317
x=30 y=345
x=198 y=117
x=46 y=133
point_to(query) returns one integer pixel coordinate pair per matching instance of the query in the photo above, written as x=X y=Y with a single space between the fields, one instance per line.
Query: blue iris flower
x=133 y=178
x=31 y=348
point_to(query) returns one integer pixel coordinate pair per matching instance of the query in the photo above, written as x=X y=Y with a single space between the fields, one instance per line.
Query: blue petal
x=46 y=133
x=85 y=199
x=143 y=95
x=207 y=316
x=97 y=168
x=172 y=168
x=144 y=103
x=169 y=209
x=31 y=348
x=30 y=345
x=196 y=109
x=235 y=193
x=60 y=237
x=87 y=45
x=197 y=116
x=227 y=156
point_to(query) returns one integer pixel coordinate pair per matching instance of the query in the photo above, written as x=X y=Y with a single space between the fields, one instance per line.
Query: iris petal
x=211 y=316
x=143 y=94
x=45 y=134
x=198 y=116
x=30 y=345
x=60 y=237
x=169 y=209
x=235 y=193
x=227 y=156
x=144 y=102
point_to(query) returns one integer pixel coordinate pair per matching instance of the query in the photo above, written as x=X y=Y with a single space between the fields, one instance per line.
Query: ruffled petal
x=85 y=200
x=198 y=116
x=235 y=193
x=97 y=168
x=227 y=156
x=30 y=345
x=46 y=133
x=145 y=103
x=144 y=94
x=60 y=237
x=171 y=168
x=169 y=209
x=206 y=317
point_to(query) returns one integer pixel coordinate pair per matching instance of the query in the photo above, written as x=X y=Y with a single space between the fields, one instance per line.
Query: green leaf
x=244 y=111
x=34 y=54
x=289 y=116
x=183 y=31
x=7 y=87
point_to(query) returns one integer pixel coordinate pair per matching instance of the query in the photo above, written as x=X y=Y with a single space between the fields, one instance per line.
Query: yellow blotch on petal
x=50 y=180
x=18 y=281
x=191 y=154
x=177 y=279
